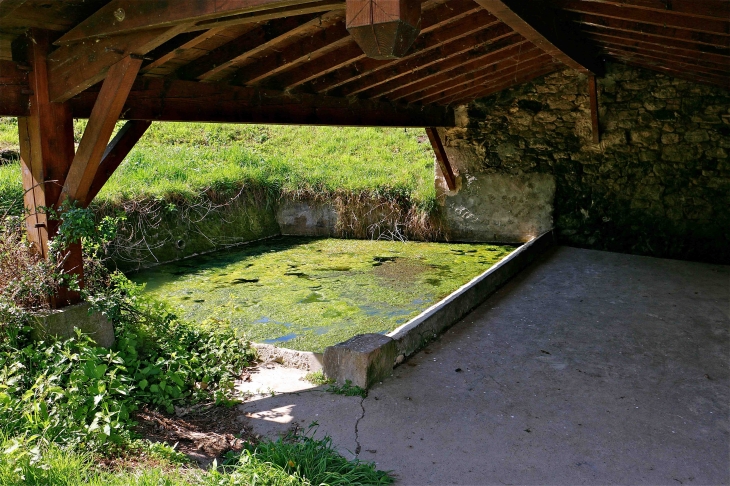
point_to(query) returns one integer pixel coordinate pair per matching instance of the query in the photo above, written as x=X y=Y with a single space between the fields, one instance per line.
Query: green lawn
x=183 y=159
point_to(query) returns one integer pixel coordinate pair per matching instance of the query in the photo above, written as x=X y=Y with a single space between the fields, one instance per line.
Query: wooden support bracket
x=593 y=95
x=104 y=115
x=442 y=158
x=118 y=148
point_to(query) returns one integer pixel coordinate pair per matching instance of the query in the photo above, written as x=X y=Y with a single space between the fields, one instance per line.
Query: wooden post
x=442 y=158
x=46 y=151
x=593 y=94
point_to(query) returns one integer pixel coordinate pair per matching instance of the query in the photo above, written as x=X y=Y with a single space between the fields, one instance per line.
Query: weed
x=348 y=390
x=317 y=378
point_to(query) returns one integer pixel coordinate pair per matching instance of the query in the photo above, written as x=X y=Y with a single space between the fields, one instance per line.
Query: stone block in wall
x=62 y=323
x=306 y=218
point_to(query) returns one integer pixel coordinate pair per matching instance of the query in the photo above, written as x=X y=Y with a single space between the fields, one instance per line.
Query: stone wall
x=658 y=183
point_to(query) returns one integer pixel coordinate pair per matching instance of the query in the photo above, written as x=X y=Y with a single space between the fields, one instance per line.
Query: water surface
x=306 y=293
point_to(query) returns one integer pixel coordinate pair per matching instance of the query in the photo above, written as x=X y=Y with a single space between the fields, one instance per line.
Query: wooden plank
x=218 y=60
x=446 y=30
x=442 y=158
x=74 y=69
x=176 y=46
x=325 y=62
x=116 y=151
x=7 y=7
x=688 y=64
x=531 y=56
x=505 y=70
x=712 y=9
x=675 y=72
x=542 y=27
x=317 y=6
x=14 y=90
x=102 y=119
x=136 y=15
x=664 y=18
x=167 y=100
x=678 y=47
x=593 y=95
x=451 y=56
x=660 y=31
x=423 y=78
x=489 y=89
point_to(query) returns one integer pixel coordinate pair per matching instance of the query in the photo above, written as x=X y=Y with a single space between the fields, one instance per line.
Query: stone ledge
x=363 y=360
x=291 y=358
x=61 y=323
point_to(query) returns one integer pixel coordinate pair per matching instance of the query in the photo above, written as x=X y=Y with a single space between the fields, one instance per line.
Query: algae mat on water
x=308 y=294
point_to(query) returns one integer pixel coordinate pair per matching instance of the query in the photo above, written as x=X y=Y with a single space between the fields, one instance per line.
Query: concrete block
x=364 y=359
x=60 y=323
x=291 y=358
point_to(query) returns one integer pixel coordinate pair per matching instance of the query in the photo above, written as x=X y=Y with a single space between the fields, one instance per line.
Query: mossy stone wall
x=658 y=183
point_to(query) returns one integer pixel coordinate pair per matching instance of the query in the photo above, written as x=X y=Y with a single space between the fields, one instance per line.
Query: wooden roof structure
x=304 y=62
x=274 y=60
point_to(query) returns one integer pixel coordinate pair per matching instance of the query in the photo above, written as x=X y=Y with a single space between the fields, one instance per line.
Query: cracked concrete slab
x=588 y=368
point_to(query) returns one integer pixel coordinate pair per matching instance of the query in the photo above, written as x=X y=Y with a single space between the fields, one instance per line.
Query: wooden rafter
x=453 y=54
x=165 y=100
x=443 y=71
x=542 y=27
x=125 y=16
x=442 y=158
x=102 y=119
x=317 y=6
x=445 y=31
x=712 y=9
x=116 y=151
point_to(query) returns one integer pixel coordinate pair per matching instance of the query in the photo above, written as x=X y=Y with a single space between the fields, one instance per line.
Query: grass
x=294 y=461
x=176 y=160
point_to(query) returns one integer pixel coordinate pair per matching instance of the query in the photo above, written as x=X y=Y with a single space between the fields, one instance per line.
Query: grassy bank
x=181 y=160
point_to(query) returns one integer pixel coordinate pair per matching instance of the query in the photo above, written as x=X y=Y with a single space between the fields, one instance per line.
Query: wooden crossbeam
x=125 y=16
x=103 y=117
x=442 y=158
x=116 y=151
x=165 y=100
x=539 y=24
x=75 y=68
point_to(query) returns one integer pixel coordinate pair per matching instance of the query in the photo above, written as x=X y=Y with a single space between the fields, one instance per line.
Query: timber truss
x=304 y=62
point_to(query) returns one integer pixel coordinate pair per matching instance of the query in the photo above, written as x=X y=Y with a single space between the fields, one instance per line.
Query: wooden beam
x=539 y=24
x=317 y=6
x=125 y=16
x=14 y=90
x=75 y=68
x=496 y=86
x=695 y=64
x=665 y=18
x=448 y=32
x=46 y=150
x=511 y=71
x=166 y=100
x=529 y=58
x=476 y=59
x=713 y=9
x=116 y=151
x=593 y=95
x=675 y=71
x=442 y=158
x=102 y=119
x=7 y=7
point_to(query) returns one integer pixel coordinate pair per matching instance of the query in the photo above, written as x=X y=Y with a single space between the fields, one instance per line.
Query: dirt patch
x=203 y=434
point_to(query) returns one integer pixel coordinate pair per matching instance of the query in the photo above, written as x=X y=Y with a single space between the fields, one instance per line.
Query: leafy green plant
x=317 y=378
x=348 y=389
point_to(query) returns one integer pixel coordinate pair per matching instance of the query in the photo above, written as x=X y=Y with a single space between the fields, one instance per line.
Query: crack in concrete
x=358 y=448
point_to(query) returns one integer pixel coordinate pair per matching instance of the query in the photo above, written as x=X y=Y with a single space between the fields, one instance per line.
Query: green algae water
x=307 y=294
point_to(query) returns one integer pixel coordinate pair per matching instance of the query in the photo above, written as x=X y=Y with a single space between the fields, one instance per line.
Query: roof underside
x=301 y=50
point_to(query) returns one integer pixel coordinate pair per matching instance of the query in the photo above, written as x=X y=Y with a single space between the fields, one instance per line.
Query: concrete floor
x=588 y=368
